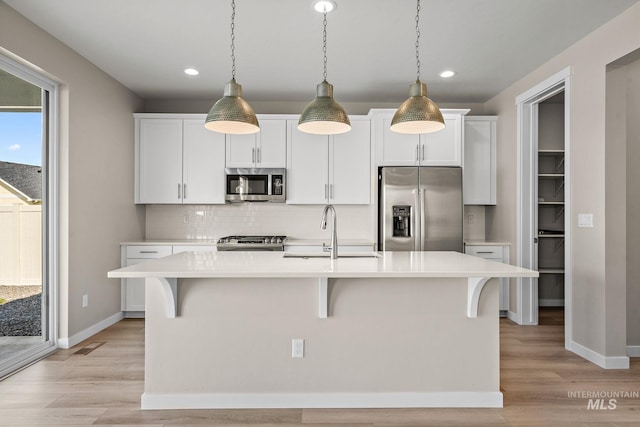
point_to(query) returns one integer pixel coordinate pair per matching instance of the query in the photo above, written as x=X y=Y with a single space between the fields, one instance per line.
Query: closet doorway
x=544 y=214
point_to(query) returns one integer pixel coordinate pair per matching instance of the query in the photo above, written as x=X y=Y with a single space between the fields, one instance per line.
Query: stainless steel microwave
x=255 y=185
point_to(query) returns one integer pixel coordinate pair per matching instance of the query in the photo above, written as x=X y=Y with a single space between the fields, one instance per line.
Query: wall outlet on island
x=297 y=348
x=85 y=301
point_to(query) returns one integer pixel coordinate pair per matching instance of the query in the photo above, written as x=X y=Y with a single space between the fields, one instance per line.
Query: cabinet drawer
x=489 y=252
x=145 y=251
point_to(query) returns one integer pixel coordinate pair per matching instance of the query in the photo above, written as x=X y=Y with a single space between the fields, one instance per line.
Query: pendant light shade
x=232 y=114
x=323 y=115
x=418 y=114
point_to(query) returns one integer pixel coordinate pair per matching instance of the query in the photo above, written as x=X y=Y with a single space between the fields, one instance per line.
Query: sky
x=21 y=138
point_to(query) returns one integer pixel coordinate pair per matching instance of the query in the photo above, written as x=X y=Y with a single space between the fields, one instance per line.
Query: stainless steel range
x=251 y=243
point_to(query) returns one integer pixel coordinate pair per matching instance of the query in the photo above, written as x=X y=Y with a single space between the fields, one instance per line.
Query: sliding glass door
x=27 y=216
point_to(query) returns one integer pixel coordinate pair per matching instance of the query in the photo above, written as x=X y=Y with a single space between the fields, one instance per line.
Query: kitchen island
x=400 y=329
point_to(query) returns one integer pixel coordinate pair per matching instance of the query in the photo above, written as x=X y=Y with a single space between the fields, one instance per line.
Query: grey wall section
x=615 y=202
x=633 y=201
x=96 y=171
x=588 y=58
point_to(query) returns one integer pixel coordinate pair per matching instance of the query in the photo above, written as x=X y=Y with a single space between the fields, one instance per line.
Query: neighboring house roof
x=25 y=180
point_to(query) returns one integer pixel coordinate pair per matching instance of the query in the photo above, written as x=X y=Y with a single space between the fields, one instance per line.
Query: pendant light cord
x=418 y=40
x=324 y=44
x=233 y=40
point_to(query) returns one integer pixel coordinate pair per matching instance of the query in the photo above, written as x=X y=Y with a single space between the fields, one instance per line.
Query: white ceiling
x=146 y=44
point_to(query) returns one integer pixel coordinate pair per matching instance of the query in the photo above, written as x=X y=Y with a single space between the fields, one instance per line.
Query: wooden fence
x=21 y=245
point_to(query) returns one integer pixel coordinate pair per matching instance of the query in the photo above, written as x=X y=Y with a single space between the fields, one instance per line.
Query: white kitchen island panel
x=399 y=332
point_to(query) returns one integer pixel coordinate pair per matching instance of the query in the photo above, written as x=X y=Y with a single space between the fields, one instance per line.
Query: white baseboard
x=633 y=350
x=515 y=317
x=90 y=331
x=618 y=362
x=322 y=400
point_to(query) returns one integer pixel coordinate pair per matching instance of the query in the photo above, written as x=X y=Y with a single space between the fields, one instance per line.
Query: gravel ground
x=20 y=315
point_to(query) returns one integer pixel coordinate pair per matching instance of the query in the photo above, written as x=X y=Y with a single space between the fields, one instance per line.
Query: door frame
x=526 y=222
x=50 y=205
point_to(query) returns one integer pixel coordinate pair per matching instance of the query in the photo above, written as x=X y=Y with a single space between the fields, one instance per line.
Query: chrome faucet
x=333 y=248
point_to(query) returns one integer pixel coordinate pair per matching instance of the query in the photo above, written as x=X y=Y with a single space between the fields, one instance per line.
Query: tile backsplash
x=295 y=221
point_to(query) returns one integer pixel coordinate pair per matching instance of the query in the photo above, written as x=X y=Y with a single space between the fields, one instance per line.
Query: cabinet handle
x=417 y=152
x=179 y=187
x=259 y=155
x=485 y=252
x=148 y=252
x=423 y=152
x=326 y=191
x=184 y=190
x=331 y=191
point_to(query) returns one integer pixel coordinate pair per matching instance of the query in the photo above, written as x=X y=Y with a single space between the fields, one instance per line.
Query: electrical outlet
x=297 y=348
x=85 y=301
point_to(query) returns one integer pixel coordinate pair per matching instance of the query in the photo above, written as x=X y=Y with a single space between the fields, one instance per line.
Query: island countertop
x=242 y=264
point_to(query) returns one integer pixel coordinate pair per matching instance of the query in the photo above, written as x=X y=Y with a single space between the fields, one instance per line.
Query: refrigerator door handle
x=417 y=231
x=423 y=216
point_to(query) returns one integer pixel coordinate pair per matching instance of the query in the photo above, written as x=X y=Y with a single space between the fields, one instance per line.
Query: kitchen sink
x=307 y=255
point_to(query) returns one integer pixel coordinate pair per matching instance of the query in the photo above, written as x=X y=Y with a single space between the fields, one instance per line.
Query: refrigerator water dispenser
x=402 y=221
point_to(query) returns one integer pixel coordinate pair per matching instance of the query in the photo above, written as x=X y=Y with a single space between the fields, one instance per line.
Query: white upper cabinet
x=265 y=149
x=329 y=169
x=202 y=164
x=178 y=161
x=350 y=165
x=442 y=148
x=159 y=161
x=480 y=160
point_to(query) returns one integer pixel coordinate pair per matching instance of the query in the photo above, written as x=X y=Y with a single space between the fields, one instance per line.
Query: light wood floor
x=103 y=387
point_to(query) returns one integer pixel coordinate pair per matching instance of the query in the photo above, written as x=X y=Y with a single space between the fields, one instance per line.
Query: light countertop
x=212 y=242
x=243 y=264
x=170 y=242
x=485 y=243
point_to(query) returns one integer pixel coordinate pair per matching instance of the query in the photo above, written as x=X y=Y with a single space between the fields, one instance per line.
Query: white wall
x=96 y=171
x=593 y=321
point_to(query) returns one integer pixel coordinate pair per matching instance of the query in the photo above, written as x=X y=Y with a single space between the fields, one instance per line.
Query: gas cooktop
x=251 y=243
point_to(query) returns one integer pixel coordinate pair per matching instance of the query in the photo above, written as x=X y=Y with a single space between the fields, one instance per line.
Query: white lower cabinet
x=499 y=253
x=132 y=299
x=132 y=290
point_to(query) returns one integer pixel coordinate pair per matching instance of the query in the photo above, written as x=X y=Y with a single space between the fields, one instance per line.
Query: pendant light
x=418 y=114
x=232 y=114
x=323 y=115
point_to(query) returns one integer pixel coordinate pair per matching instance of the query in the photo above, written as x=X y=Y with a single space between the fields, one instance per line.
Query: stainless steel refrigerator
x=420 y=208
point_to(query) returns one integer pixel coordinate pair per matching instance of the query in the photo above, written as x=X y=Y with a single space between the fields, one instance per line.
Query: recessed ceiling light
x=447 y=73
x=191 y=71
x=324 y=5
